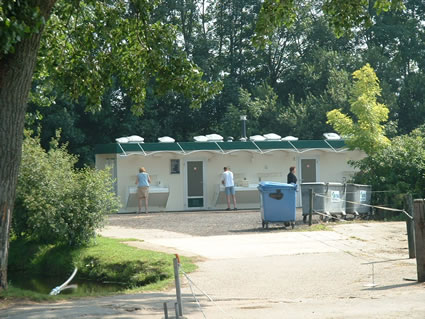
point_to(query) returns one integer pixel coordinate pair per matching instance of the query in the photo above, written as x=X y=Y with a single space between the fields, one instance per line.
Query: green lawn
x=106 y=259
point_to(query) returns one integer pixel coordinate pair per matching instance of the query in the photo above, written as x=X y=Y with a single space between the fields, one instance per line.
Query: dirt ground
x=353 y=270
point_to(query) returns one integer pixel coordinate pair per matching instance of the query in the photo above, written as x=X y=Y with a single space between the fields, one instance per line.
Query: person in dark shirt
x=292 y=179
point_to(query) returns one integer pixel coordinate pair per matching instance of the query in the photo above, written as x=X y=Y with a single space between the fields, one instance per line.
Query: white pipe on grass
x=58 y=289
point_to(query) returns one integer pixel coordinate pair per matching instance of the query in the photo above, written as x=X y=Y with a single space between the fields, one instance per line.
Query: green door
x=308 y=170
x=195 y=184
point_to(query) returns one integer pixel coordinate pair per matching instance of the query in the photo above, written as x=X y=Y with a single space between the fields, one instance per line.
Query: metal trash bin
x=277 y=203
x=357 y=195
x=330 y=199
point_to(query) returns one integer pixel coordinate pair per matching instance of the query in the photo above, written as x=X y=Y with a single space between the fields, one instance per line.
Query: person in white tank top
x=229 y=185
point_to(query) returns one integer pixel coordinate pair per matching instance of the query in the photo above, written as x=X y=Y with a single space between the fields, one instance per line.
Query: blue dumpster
x=277 y=202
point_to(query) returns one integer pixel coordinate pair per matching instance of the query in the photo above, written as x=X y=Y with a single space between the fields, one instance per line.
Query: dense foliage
x=57 y=203
x=286 y=87
x=399 y=167
x=343 y=16
x=366 y=130
x=18 y=19
x=87 y=44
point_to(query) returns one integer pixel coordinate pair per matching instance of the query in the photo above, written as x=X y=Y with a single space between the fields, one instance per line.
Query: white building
x=187 y=175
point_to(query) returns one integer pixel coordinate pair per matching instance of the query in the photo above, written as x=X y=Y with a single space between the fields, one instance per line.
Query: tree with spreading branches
x=82 y=45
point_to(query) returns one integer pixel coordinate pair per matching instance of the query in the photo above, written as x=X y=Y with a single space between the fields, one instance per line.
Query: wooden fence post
x=419 y=217
x=410 y=225
x=176 y=263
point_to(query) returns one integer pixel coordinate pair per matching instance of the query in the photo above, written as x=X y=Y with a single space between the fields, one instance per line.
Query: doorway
x=195 y=184
x=308 y=174
x=308 y=170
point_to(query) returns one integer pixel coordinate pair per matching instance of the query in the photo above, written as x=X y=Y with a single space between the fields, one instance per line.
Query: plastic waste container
x=277 y=203
x=329 y=199
x=357 y=195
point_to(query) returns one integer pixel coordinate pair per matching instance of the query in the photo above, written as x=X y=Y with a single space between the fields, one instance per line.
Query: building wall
x=248 y=168
x=334 y=167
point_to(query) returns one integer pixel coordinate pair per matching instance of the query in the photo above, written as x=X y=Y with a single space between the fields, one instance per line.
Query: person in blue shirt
x=142 y=181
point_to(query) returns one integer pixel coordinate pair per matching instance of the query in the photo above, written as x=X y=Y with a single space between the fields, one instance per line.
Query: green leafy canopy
x=365 y=130
x=86 y=43
x=18 y=19
x=343 y=16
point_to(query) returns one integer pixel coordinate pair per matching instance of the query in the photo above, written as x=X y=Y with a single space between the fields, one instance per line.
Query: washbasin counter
x=247 y=196
x=158 y=198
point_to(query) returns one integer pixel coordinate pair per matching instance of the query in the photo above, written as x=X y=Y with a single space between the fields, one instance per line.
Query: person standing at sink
x=292 y=179
x=229 y=186
x=142 y=181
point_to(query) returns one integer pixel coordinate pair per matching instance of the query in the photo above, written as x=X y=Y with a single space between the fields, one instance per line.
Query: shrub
x=398 y=168
x=56 y=203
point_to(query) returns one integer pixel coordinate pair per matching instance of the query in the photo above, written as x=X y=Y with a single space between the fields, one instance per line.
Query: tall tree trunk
x=16 y=71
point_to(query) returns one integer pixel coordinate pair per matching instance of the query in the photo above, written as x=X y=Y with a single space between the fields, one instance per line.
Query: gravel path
x=205 y=223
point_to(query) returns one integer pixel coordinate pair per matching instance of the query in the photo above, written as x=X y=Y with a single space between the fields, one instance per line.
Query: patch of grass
x=16 y=294
x=105 y=260
x=111 y=260
x=130 y=239
x=357 y=238
x=313 y=227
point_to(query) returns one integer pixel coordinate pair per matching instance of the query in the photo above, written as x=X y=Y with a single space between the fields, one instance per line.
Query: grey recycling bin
x=357 y=196
x=277 y=203
x=329 y=199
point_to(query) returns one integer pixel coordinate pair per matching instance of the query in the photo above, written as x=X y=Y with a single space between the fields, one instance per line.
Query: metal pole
x=177 y=281
x=176 y=308
x=310 y=212
x=165 y=311
x=410 y=225
x=243 y=119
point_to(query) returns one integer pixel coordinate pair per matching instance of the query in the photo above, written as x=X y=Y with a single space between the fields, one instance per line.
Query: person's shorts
x=142 y=192
x=230 y=190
